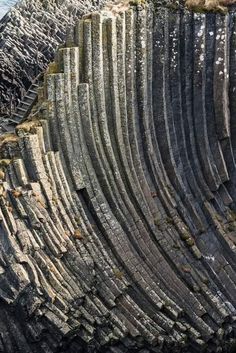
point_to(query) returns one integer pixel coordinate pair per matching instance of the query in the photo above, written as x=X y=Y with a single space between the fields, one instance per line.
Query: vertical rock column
x=117 y=197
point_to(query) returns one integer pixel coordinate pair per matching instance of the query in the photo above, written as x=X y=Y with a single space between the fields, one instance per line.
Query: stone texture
x=30 y=33
x=117 y=193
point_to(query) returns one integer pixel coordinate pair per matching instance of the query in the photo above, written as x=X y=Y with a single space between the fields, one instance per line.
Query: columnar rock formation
x=30 y=34
x=118 y=193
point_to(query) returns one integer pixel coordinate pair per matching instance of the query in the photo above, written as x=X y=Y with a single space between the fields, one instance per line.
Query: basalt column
x=118 y=216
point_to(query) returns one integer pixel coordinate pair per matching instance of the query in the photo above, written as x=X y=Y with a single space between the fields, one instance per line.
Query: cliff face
x=30 y=33
x=118 y=193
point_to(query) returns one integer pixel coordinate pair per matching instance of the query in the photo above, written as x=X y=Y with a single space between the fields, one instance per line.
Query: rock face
x=30 y=34
x=118 y=193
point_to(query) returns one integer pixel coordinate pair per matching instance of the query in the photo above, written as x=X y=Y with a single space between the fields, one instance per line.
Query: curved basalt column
x=118 y=193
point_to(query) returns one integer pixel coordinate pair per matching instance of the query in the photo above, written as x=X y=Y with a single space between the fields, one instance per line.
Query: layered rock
x=118 y=193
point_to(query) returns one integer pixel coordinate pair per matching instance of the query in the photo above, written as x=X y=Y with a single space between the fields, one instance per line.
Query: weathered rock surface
x=29 y=35
x=118 y=218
